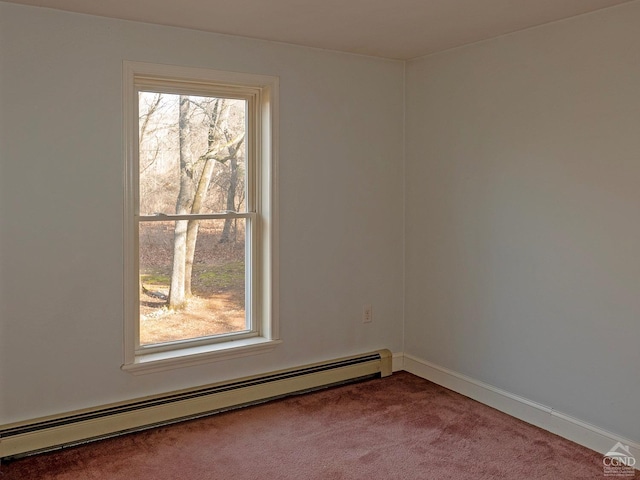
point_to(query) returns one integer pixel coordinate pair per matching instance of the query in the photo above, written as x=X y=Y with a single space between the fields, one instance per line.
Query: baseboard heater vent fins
x=108 y=420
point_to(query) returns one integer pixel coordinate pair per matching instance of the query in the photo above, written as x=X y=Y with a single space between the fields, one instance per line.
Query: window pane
x=176 y=305
x=191 y=154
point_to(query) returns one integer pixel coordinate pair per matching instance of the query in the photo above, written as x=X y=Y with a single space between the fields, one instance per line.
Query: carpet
x=399 y=427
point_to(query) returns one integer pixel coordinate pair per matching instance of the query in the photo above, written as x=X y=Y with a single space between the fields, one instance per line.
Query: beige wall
x=523 y=214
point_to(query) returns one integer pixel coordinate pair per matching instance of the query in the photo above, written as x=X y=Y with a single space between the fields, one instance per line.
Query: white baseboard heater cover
x=80 y=426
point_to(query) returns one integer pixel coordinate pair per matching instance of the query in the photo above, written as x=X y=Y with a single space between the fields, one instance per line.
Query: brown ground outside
x=202 y=317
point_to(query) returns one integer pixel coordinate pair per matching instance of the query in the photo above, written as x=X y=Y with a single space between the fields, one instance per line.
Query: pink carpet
x=400 y=427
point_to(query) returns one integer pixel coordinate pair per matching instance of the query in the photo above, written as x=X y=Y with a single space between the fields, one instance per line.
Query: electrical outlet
x=367 y=314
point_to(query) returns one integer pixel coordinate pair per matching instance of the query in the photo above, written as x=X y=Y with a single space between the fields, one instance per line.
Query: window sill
x=190 y=356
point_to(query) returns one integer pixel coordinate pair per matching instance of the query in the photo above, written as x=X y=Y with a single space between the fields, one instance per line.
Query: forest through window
x=193 y=198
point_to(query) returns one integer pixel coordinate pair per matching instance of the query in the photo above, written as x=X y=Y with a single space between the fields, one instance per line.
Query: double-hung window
x=200 y=220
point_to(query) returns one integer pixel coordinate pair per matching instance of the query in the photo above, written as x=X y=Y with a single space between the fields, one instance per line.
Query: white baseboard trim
x=519 y=407
x=397 y=362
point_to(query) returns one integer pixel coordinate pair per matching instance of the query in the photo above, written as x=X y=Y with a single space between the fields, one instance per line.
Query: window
x=200 y=220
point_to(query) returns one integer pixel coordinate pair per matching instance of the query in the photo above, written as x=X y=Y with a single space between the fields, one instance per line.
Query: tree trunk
x=231 y=192
x=192 y=194
x=199 y=196
x=193 y=225
x=177 y=292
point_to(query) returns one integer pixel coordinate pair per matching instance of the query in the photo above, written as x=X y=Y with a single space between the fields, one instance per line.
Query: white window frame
x=262 y=117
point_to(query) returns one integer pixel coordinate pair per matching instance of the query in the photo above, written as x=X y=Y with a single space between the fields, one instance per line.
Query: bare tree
x=177 y=292
x=195 y=178
x=212 y=112
x=233 y=185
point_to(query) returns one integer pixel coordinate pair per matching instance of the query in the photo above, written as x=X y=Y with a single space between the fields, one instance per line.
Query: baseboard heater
x=72 y=428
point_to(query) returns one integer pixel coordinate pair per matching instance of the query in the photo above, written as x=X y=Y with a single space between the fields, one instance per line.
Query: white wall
x=61 y=203
x=523 y=215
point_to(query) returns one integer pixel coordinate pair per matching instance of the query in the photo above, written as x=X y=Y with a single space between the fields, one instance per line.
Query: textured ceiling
x=400 y=29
